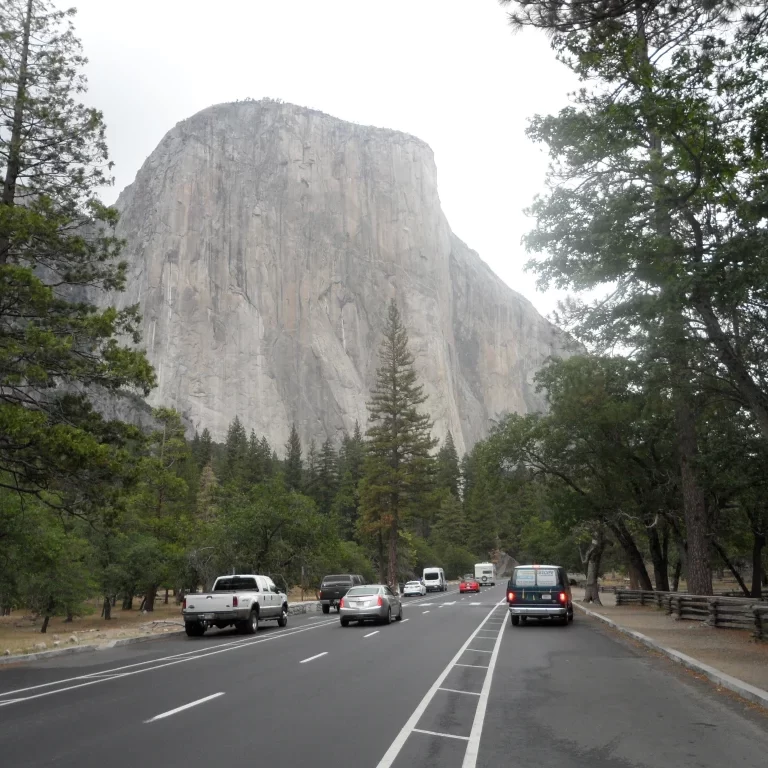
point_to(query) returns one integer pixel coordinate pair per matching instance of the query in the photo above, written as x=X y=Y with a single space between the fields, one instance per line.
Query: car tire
x=344 y=622
x=326 y=608
x=399 y=616
x=388 y=620
x=515 y=621
x=251 y=625
x=194 y=629
x=283 y=620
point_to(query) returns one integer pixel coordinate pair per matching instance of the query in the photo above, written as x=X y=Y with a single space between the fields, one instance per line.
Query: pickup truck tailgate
x=209 y=603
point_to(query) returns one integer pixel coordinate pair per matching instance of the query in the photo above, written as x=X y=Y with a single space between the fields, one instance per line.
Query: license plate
x=209 y=616
x=546 y=597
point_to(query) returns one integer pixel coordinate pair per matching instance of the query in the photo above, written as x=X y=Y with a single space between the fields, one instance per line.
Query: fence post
x=642 y=598
x=712 y=612
x=759 y=622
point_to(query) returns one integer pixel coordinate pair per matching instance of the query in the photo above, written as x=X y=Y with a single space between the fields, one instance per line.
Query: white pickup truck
x=240 y=600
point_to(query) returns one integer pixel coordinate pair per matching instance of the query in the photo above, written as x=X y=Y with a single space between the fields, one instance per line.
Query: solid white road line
x=312 y=658
x=473 y=748
x=423 y=612
x=91 y=680
x=474 y=666
x=445 y=735
x=453 y=690
x=402 y=621
x=186 y=706
x=371 y=634
x=477 y=650
x=394 y=749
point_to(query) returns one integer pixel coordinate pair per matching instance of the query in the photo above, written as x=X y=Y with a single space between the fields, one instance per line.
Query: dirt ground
x=20 y=632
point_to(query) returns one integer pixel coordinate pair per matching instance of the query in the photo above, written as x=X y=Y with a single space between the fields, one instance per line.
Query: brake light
x=380 y=601
x=510 y=596
x=234 y=602
x=562 y=597
x=341 y=603
x=184 y=605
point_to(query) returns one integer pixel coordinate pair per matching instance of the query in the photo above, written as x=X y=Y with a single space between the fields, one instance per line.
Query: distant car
x=373 y=602
x=414 y=588
x=539 y=592
x=469 y=584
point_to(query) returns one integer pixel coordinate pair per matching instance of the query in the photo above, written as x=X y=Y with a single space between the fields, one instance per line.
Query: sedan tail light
x=380 y=601
x=234 y=602
x=510 y=597
x=341 y=603
x=563 y=597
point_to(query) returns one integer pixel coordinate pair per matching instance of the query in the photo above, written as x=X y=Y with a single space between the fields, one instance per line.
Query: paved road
x=453 y=685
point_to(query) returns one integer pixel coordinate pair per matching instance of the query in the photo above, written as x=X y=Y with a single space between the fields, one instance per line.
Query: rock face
x=265 y=241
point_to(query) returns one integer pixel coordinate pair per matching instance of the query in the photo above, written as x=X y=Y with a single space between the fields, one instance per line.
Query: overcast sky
x=451 y=72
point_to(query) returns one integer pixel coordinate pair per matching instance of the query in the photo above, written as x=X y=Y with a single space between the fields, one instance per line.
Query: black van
x=334 y=587
x=539 y=592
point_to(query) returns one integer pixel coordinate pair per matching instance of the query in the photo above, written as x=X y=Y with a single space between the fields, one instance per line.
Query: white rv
x=485 y=573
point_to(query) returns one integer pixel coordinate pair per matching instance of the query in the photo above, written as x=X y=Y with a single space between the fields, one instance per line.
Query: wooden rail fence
x=716 y=611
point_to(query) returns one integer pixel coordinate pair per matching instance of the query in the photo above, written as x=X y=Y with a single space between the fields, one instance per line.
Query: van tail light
x=341 y=603
x=562 y=597
x=380 y=601
x=184 y=605
x=234 y=602
x=510 y=597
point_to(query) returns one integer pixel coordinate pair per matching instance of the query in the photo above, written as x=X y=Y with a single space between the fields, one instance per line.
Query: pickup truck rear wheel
x=283 y=620
x=326 y=608
x=251 y=625
x=194 y=629
x=515 y=620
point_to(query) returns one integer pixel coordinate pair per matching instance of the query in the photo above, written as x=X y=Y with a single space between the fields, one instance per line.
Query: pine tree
x=309 y=485
x=236 y=453
x=448 y=474
x=327 y=477
x=398 y=464
x=56 y=239
x=293 y=462
x=268 y=457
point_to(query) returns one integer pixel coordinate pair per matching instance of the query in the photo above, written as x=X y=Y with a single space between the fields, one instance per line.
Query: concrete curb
x=309 y=606
x=719 y=678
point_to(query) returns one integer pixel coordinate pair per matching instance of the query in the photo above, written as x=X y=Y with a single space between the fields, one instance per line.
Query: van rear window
x=536 y=577
x=431 y=576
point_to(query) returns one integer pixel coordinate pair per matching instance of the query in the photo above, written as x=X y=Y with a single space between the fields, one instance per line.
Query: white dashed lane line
x=312 y=658
x=186 y=706
x=371 y=634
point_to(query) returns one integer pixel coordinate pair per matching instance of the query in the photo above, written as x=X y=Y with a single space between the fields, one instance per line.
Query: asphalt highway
x=454 y=684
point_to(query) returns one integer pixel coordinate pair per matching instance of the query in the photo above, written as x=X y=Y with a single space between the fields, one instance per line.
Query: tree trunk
x=179 y=594
x=106 y=610
x=758 y=542
x=149 y=598
x=593 y=557
x=382 y=559
x=637 y=569
x=13 y=161
x=676 y=575
x=731 y=567
x=695 y=512
x=70 y=618
x=166 y=596
x=48 y=614
x=128 y=602
x=392 y=559
x=659 y=560
x=114 y=600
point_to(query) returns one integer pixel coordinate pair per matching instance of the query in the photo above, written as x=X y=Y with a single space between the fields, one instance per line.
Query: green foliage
x=294 y=468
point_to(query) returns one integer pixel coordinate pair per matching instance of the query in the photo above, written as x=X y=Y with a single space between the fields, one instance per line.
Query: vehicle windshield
x=235 y=583
x=535 y=577
x=340 y=579
x=362 y=591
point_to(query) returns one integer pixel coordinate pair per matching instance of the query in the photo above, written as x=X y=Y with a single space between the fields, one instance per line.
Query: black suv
x=539 y=592
x=334 y=587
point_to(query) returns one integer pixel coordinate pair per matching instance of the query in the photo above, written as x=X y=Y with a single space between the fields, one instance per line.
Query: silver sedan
x=373 y=602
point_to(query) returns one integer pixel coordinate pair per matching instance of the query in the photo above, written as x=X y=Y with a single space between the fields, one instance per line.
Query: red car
x=469 y=584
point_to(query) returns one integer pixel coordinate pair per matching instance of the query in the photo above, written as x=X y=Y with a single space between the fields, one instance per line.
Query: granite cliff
x=265 y=241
